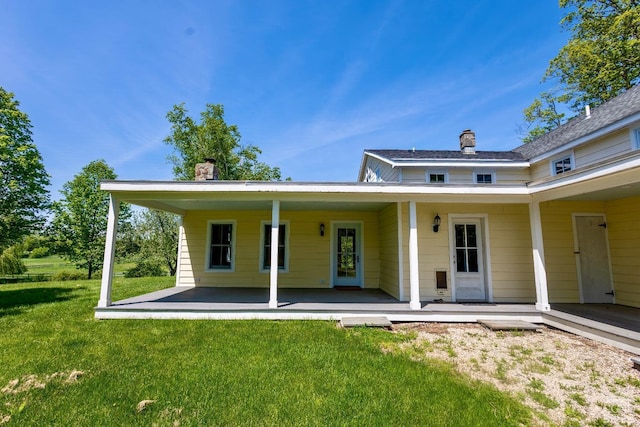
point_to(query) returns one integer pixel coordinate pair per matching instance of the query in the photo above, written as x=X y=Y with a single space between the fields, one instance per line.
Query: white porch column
x=179 y=255
x=400 y=254
x=539 y=270
x=109 y=252
x=414 y=275
x=273 y=276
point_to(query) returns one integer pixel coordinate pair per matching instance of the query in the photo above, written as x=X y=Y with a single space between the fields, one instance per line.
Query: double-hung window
x=221 y=246
x=635 y=139
x=283 y=250
x=562 y=164
x=484 y=178
x=437 y=177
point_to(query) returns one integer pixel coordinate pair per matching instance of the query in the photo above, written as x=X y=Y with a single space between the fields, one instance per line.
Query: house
x=556 y=220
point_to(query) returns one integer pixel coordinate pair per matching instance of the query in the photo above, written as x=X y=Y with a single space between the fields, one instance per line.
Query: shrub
x=69 y=275
x=10 y=262
x=145 y=269
x=39 y=252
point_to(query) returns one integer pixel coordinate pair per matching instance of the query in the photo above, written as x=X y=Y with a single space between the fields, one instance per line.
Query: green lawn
x=215 y=372
x=53 y=264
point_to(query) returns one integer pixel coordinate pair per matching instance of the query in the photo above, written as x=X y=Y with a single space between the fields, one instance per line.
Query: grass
x=215 y=372
x=48 y=265
x=54 y=264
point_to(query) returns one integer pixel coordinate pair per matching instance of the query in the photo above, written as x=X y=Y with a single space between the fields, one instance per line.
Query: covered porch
x=400 y=250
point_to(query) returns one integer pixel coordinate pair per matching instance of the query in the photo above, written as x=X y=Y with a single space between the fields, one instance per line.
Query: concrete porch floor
x=321 y=304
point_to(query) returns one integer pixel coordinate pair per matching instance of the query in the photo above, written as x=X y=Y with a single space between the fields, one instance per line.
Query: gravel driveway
x=567 y=380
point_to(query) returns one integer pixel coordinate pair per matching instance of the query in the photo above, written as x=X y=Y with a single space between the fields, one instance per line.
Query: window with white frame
x=484 y=178
x=265 y=247
x=635 y=139
x=437 y=177
x=221 y=246
x=562 y=164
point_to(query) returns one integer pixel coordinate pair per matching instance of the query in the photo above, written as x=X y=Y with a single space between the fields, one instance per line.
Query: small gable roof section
x=444 y=158
x=613 y=115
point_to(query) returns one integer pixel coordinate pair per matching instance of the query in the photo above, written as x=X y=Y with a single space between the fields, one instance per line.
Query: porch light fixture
x=436 y=223
x=322 y=229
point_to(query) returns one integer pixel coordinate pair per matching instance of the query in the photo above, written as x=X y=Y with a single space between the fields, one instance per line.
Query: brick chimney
x=207 y=171
x=468 y=142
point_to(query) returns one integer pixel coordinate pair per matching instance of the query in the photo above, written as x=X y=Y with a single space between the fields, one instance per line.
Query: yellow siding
x=512 y=176
x=388 y=220
x=560 y=261
x=602 y=149
x=413 y=175
x=460 y=176
x=309 y=253
x=510 y=250
x=623 y=229
x=540 y=170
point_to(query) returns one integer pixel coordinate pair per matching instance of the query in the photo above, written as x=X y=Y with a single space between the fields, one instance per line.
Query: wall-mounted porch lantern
x=436 y=223
x=322 y=229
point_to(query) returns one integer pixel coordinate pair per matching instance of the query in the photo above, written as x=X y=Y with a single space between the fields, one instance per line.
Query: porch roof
x=182 y=196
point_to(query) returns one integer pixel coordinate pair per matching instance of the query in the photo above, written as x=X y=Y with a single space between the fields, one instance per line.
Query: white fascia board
x=585 y=176
x=381 y=158
x=255 y=187
x=463 y=164
x=364 y=161
x=593 y=135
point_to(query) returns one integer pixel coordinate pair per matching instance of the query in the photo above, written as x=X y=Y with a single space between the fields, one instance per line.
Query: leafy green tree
x=23 y=179
x=600 y=60
x=11 y=260
x=80 y=220
x=541 y=117
x=213 y=138
x=158 y=241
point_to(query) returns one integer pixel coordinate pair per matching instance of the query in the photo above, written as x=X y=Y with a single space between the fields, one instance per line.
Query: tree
x=541 y=117
x=11 y=260
x=213 y=138
x=23 y=179
x=80 y=220
x=600 y=60
x=159 y=238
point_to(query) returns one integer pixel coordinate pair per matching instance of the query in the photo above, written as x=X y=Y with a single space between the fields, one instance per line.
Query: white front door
x=468 y=261
x=347 y=250
x=593 y=259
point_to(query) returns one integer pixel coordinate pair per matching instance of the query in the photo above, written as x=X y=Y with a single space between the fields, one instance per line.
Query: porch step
x=618 y=337
x=369 y=321
x=509 y=325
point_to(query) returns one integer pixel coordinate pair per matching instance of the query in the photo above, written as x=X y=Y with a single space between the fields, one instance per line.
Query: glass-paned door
x=468 y=261
x=347 y=255
x=466 y=248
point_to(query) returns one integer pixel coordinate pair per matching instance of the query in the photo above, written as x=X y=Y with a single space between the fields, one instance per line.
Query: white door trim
x=576 y=252
x=486 y=248
x=359 y=241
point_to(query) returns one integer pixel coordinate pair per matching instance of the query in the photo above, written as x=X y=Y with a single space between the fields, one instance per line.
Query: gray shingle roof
x=616 y=109
x=425 y=155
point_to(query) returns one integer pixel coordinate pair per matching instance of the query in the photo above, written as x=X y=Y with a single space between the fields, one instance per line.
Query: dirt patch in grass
x=15 y=391
x=567 y=380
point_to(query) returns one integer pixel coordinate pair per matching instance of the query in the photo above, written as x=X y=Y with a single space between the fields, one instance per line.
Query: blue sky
x=312 y=83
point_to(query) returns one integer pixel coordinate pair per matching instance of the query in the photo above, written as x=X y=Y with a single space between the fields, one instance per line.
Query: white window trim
x=261 y=268
x=480 y=172
x=563 y=156
x=207 y=266
x=437 y=172
x=635 y=138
